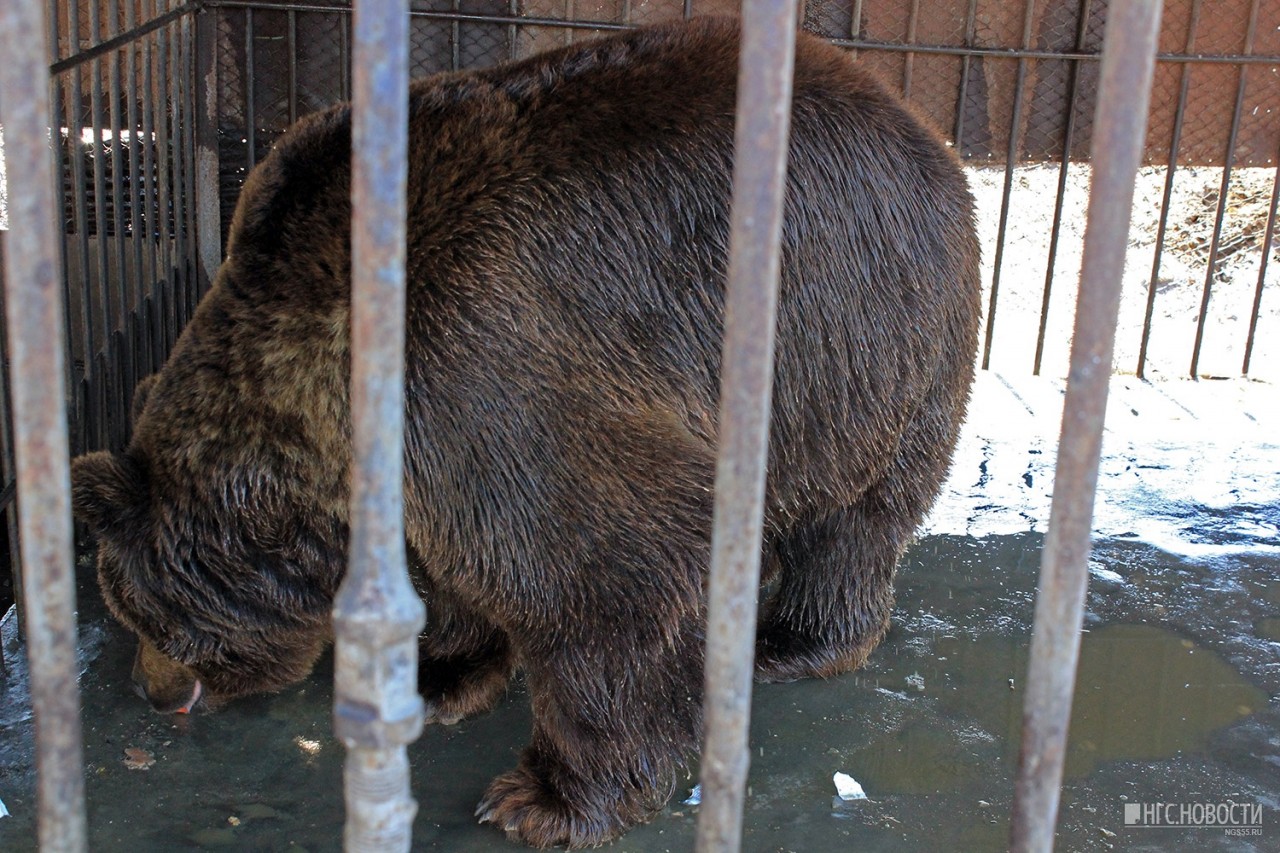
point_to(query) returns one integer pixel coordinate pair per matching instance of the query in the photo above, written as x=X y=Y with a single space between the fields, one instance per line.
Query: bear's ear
x=107 y=489
x=141 y=392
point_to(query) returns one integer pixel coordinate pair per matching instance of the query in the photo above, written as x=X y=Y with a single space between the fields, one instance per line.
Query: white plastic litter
x=695 y=796
x=848 y=788
x=3 y=811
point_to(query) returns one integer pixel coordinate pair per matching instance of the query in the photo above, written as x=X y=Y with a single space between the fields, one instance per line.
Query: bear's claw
x=529 y=811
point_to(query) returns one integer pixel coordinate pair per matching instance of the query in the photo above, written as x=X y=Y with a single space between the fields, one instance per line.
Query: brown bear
x=568 y=233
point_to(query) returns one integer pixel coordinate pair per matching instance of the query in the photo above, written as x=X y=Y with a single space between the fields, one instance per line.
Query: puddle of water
x=1142 y=693
x=1174 y=708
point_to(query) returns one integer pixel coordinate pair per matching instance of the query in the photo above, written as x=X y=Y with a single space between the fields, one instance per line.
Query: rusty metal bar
x=150 y=192
x=186 y=111
x=1228 y=162
x=377 y=615
x=135 y=140
x=1124 y=94
x=37 y=347
x=99 y=292
x=908 y=63
x=1179 y=115
x=970 y=26
x=250 y=107
x=207 y=200
x=765 y=73
x=1267 y=239
x=1011 y=161
x=1055 y=231
x=164 y=177
x=177 y=151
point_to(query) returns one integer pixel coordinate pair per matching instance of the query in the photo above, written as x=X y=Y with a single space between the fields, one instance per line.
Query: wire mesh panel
x=122 y=103
x=122 y=106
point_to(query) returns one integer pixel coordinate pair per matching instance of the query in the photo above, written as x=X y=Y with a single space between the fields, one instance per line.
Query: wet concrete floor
x=1176 y=698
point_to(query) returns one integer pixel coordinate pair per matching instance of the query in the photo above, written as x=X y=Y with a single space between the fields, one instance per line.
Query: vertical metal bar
x=164 y=176
x=1068 y=135
x=177 y=148
x=135 y=140
x=855 y=25
x=57 y=119
x=117 y=155
x=79 y=196
x=970 y=25
x=100 y=292
x=34 y=318
x=207 y=199
x=7 y=474
x=1228 y=161
x=150 y=191
x=909 y=61
x=765 y=75
x=117 y=293
x=179 y=79
x=513 y=9
x=186 y=87
x=455 y=35
x=344 y=55
x=292 y=45
x=1124 y=94
x=1262 y=273
x=1174 y=143
x=377 y=614
x=1011 y=160
x=688 y=9
x=250 y=119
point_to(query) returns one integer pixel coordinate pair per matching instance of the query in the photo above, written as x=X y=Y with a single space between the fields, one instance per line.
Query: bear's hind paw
x=529 y=811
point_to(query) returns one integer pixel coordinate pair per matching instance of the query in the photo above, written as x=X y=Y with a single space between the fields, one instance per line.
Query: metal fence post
x=1120 y=129
x=207 y=200
x=765 y=71
x=35 y=320
x=377 y=615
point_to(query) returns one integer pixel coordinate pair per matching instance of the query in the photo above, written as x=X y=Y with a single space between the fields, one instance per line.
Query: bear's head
x=227 y=584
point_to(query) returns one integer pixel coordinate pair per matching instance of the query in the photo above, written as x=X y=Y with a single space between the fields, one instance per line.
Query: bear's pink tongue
x=191 y=703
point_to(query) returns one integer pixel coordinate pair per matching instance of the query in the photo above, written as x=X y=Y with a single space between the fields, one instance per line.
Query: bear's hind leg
x=465 y=662
x=834 y=595
x=836 y=567
x=610 y=727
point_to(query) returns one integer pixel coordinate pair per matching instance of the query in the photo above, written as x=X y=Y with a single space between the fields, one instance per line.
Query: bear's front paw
x=531 y=811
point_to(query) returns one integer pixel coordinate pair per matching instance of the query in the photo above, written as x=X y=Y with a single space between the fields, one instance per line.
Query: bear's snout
x=170 y=687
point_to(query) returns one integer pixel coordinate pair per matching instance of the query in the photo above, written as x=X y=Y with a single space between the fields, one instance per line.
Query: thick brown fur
x=568 y=235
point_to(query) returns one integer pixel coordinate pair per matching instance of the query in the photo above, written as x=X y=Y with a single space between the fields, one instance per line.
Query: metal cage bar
x=1228 y=162
x=1055 y=231
x=1011 y=160
x=377 y=614
x=765 y=76
x=1120 y=130
x=1179 y=114
x=36 y=337
x=1267 y=241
